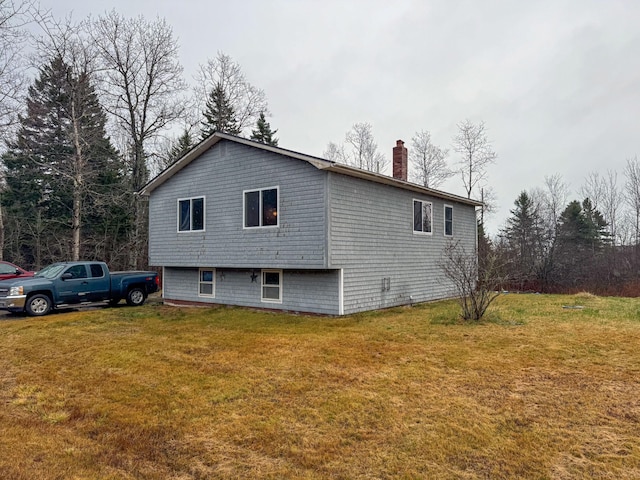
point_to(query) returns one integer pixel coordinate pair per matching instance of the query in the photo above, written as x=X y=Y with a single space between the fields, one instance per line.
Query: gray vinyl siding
x=221 y=175
x=371 y=239
x=302 y=290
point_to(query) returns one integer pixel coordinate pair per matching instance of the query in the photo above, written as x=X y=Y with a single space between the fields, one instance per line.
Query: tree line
x=552 y=244
x=91 y=129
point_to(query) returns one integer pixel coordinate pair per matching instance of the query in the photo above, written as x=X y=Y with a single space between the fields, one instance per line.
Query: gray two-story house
x=238 y=222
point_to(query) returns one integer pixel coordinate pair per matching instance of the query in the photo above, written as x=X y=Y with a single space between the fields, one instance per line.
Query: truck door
x=100 y=283
x=73 y=287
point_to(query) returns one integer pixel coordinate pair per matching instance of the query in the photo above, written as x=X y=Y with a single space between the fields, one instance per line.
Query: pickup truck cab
x=66 y=284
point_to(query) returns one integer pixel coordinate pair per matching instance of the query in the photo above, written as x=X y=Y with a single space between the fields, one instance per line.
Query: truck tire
x=136 y=297
x=38 y=305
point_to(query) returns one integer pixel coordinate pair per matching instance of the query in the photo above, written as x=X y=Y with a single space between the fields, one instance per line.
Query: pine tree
x=525 y=239
x=581 y=238
x=60 y=166
x=219 y=115
x=263 y=132
x=182 y=145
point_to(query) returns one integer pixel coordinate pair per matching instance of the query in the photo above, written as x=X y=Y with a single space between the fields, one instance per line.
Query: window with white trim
x=422 y=216
x=261 y=207
x=190 y=214
x=272 y=286
x=207 y=282
x=448 y=221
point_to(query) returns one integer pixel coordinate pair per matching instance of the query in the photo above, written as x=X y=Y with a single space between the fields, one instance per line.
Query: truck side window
x=77 y=271
x=96 y=270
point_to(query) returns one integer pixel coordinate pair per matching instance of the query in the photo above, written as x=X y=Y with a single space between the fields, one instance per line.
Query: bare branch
x=429 y=165
x=476 y=154
x=246 y=100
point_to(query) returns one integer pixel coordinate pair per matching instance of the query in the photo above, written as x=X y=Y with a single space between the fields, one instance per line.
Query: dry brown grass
x=537 y=391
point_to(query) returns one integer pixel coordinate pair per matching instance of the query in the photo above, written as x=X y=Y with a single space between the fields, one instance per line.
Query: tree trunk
x=1 y=233
x=76 y=215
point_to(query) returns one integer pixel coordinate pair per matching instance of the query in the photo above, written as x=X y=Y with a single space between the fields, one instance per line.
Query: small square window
x=207 y=282
x=272 y=286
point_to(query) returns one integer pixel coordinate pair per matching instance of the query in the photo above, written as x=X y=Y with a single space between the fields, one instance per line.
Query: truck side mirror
x=66 y=276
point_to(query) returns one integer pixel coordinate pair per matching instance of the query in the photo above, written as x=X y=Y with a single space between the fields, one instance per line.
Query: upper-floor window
x=422 y=216
x=190 y=214
x=448 y=220
x=261 y=207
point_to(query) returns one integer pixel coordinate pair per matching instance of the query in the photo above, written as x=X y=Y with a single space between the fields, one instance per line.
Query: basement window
x=422 y=217
x=207 y=282
x=272 y=286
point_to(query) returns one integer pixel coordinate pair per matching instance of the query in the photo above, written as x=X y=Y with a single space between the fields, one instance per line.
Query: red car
x=9 y=270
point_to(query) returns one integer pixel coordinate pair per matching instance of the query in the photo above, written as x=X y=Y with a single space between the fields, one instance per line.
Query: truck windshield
x=51 y=271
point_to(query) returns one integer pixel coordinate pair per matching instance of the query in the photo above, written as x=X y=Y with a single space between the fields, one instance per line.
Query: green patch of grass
x=533 y=391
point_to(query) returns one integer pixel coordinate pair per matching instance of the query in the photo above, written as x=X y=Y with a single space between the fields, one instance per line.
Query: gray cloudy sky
x=556 y=82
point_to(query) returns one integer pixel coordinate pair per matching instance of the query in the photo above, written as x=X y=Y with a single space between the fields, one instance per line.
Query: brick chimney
x=400 y=157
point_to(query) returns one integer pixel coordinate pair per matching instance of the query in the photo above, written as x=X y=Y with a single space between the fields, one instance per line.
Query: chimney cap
x=399 y=143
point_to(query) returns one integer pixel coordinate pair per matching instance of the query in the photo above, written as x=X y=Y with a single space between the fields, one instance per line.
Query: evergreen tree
x=263 y=132
x=219 y=115
x=525 y=239
x=182 y=145
x=60 y=166
x=581 y=238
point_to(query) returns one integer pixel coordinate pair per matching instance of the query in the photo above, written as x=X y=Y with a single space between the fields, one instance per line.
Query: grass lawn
x=536 y=391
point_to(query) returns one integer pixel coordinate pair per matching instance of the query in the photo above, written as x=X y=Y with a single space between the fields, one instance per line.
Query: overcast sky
x=557 y=82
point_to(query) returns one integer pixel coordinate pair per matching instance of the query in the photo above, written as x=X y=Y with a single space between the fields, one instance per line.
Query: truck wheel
x=136 y=297
x=38 y=305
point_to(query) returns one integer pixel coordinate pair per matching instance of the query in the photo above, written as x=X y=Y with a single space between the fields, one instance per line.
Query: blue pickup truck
x=67 y=284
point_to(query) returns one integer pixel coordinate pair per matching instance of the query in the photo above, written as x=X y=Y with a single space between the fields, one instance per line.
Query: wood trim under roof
x=317 y=162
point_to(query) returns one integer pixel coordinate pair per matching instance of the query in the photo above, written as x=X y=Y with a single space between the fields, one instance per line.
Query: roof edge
x=319 y=163
x=209 y=142
x=396 y=182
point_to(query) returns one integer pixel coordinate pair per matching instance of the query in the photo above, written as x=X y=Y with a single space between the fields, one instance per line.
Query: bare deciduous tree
x=430 y=167
x=142 y=85
x=605 y=196
x=476 y=154
x=64 y=45
x=477 y=282
x=14 y=17
x=632 y=190
x=246 y=100
x=335 y=153
x=364 y=152
x=554 y=199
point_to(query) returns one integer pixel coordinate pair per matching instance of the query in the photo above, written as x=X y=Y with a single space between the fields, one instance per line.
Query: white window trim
x=444 y=220
x=262 y=285
x=244 y=207
x=213 y=282
x=412 y=219
x=204 y=214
